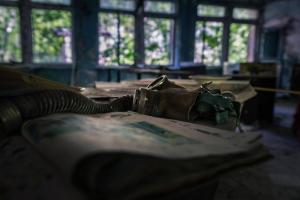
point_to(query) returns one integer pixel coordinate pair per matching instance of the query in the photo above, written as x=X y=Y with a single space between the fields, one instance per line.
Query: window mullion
x=26 y=31
x=118 y=38
x=226 y=35
x=139 y=57
x=203 y=40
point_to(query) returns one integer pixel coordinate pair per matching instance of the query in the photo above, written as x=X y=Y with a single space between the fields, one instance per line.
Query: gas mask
x=163 y=98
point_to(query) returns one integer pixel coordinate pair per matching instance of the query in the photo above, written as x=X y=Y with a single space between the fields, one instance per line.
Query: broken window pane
x=118 y=4
x=65 y=2
x=211 y=11
x=159 y=7
x=241 y=43
x=116 y=39
x=52 y=36
x=158 y=41
x=208 y=43
x=10 y=44
x=245 y=13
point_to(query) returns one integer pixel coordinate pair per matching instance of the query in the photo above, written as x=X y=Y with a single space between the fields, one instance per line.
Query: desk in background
x=261 y=107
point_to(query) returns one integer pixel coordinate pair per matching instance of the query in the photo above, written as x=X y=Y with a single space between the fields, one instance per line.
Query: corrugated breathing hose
x=15 y=110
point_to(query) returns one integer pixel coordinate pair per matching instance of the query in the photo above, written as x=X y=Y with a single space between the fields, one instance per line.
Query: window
x=159 y=27
x=209 y=33
x=211 y=11
x=65 y=2
x=116 y=39
x=241 y=43
x=159 y=7
x=244 y=13
x=208 y=43
x=52 y=36
x=242 y=35
x=158 y=41
x=116 y=32
x=10 y=44
x=118 y=4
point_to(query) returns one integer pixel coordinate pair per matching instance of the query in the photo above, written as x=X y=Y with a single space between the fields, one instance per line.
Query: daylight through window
x=116 y=39
x=128 y=5
x=158 y=41
x=241 y=43
x=10 y=43
x=159 y=7
x=208 y=43
x=52 y=36
x=211 y=11
x=244 y=13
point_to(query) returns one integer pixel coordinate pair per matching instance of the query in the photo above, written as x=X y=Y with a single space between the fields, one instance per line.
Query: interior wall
x=285 y=17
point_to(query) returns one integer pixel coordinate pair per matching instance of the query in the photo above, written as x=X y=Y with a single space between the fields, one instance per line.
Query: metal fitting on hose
x=122 y=104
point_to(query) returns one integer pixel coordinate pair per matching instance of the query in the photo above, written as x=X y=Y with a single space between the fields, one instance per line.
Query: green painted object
x=217 y=107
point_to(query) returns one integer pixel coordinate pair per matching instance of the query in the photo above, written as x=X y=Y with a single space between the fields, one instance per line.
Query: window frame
x=222 y=41
x=139 y=12
x=118 y=12
x=171 y=16
x=161 y=13
x=247 y=20
x=212 y=17
x=222 y=20
x=14 y=4
x=58 y=7
x=121 y=11
x=250 y=22
x=25 y=8
x=227 y=20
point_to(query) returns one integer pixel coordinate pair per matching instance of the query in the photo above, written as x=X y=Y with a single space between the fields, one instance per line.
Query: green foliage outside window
x=108 y=38
x=10 y=44
x=51 y=36
x=211 y=11
x=127 y=39
x=116 y=39
x=239 y=42
x=158 y=41
x=244 y=13
x=118 y=4
x=159 y=7
x=208 y=43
